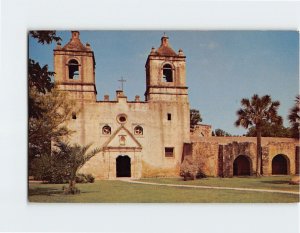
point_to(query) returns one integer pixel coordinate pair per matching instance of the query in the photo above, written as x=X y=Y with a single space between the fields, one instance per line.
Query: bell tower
x=165 y=74
x=74 y=67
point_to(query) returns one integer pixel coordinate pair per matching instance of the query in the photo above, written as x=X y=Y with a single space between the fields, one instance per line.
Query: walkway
x=211 y=187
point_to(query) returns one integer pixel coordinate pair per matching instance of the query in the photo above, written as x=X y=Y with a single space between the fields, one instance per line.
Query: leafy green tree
x=74 y=157
x=45 y=36
x=48 y=109
x=39 y=78
x=63 y=163
x=258 y=112
x=270 y=130
x=39 y=81
x=49 y=126
x=221 y=133
x=195 y=118
x=294 y=118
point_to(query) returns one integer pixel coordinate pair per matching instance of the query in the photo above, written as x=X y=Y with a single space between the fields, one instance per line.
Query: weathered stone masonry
x=150 y=138
x=222 y=152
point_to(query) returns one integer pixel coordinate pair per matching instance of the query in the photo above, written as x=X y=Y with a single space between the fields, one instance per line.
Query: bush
x=51 y=170
x=90 y=178
x=46 y=169
x=84 y=178
x=190 y=170
x=80 y=178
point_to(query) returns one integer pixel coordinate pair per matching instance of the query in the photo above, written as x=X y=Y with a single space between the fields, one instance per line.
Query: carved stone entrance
x=123 y=166
x=279 y=165
x=241 y=166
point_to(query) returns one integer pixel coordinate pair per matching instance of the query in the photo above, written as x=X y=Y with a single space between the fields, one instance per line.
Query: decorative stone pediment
x=122 y=138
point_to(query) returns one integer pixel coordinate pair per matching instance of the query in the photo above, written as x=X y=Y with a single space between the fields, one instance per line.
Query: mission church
x=151 y=137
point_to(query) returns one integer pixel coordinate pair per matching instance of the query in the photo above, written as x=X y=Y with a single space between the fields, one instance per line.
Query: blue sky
x=222 y=66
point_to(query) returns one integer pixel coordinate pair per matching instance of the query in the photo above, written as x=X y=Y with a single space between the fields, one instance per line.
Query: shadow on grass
x=51 y=191
x=44 y=191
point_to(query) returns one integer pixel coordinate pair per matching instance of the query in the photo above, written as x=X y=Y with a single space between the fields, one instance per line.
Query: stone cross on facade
x=122 y=82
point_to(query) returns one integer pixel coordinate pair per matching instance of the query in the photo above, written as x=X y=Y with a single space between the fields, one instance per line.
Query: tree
x=39 y=80
x=74 y=156
x=49 y=126
x=195 y=118
x=221 y=133
x=270 y=130
x=294 y=118
x=39 y=77
x=63 y=163
x=45 y=36
x=258 y=112
x=47 y=109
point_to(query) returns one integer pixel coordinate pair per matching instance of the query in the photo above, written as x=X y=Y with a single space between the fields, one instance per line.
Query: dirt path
x=211 y=187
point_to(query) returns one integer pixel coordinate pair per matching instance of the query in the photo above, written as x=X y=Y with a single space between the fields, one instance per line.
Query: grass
x=270 y=183
x=116 y=191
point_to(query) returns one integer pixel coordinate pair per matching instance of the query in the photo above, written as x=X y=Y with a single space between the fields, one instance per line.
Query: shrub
x=84 y=178
x=80 y=178
x=49 y=170
x=90 y=178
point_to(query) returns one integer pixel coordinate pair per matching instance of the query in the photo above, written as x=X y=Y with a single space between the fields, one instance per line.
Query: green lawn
x=270 y=183
x=109 y=191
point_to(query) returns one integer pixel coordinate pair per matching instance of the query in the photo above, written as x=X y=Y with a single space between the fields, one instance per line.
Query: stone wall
x=216 y=155
x=232 y=150
x=206 y=156
x=201 y=130
x=226 y=140
x=283 y=148
x=297 y=159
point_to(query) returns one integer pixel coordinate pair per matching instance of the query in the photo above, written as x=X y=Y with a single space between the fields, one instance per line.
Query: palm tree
x=294 y=117
x=74 y=157
x=257 y=112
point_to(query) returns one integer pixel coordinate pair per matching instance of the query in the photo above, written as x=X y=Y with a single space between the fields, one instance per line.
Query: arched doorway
x=280 y=165
x=241 y=166
x=123 y=166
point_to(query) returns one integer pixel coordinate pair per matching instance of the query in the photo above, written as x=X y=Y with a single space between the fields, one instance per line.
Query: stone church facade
x=150 y=138
x=138 y=138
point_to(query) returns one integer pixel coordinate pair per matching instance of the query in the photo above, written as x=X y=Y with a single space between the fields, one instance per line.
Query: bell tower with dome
x=165 y=74
x=74 y=67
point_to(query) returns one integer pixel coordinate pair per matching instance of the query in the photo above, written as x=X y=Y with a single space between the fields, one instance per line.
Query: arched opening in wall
x=123 y=166
x=106 y=130
x=242 y=166
x=73 y=68
x=138 y=130
x=167 y=73
x=280 y=165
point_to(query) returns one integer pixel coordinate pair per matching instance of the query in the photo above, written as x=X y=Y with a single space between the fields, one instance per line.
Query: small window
x=74 y=115
x=167 y=73
x=122 y=118
x=138 y=130
x=169 y=151
x=73 y=69
x=106 y=130
x=169 y=116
